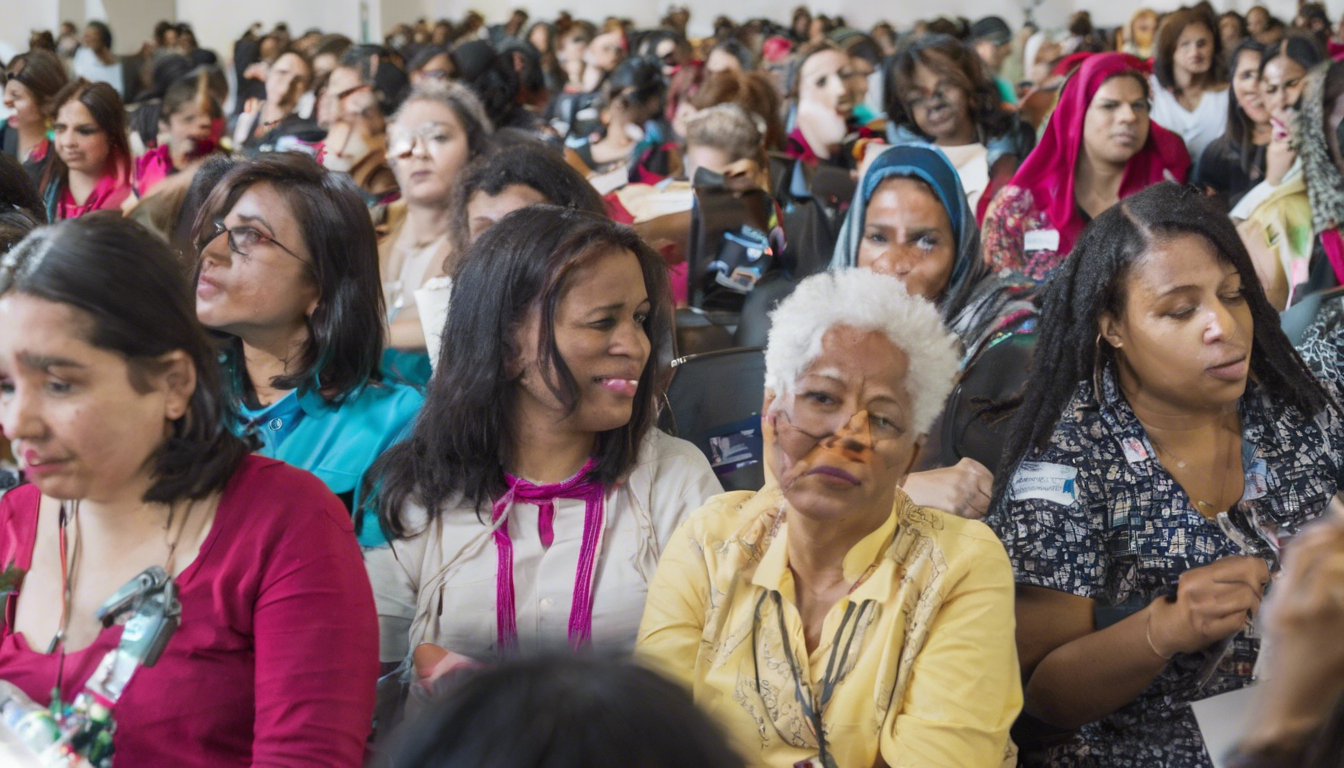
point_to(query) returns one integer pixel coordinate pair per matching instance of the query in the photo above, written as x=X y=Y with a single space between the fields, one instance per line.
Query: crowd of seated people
x=339 y=384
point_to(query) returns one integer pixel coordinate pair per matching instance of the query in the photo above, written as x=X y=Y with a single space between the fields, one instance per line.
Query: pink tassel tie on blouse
x=544 y=496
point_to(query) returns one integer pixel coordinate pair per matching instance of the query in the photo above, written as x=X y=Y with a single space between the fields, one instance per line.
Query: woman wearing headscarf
x=1099 y=147
x=910 y=219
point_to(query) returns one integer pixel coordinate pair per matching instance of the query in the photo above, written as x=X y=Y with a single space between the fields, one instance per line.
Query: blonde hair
x=727 y=127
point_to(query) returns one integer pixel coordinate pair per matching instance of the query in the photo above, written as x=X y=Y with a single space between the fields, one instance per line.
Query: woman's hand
x=433 y=662
x=1212 y=603
x=1303 y=669
x=962 y=490
x=1279 y=156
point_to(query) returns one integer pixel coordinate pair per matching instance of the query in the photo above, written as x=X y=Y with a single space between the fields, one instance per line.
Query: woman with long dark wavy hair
x=530 y=503
x=1235 y=161
x=1167 y=438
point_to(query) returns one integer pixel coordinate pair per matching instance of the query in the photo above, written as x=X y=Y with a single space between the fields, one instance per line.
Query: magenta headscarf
x=1048 y=170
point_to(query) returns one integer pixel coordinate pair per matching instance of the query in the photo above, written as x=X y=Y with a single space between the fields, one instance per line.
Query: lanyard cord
x=68 y=564
x=813 y=710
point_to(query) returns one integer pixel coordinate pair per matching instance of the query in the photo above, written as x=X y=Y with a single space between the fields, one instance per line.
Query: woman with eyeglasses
x=1236 y=161
x=110 y=394
x=288 y=277
x=827 y=620
x=431 y=64
x=435 y=133
x=92 y=168
x=940 y=92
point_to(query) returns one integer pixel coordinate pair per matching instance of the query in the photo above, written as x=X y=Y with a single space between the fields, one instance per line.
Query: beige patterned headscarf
x=1325 y=182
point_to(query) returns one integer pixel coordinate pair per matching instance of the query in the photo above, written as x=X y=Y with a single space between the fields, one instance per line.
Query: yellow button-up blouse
x=929 y=679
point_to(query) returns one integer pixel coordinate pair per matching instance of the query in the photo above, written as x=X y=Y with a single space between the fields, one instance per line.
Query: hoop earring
x=1096 y=369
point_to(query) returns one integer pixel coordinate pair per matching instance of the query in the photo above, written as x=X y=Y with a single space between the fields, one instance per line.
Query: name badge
x=1043 y=480
x=1257 y=481
x=1134 y=449
x=1041 y=240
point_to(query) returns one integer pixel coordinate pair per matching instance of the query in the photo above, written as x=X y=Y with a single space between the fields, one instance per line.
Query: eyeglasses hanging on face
x=244 y=240
x=432 y=136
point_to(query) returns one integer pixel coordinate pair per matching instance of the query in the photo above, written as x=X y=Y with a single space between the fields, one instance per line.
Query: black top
x=1220 y=169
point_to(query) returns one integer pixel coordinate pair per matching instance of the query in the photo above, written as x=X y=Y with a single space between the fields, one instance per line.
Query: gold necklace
x=1204 y=507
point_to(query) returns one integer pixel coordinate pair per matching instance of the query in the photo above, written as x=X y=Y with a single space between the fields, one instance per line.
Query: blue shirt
x=337 y=442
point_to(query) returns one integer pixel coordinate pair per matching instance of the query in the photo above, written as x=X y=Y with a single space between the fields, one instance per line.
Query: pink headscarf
x=1048 y=170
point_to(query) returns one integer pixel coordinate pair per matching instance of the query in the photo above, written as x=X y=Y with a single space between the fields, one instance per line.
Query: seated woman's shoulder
x=659 y=446
x=727 y=516
x=393 y=395
x=954 y=535
x=271 y=490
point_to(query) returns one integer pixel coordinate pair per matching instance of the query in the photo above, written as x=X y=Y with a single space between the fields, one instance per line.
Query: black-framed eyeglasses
x=243 y=239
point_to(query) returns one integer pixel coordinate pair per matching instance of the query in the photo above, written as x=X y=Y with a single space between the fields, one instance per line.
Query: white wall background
x=219 y=22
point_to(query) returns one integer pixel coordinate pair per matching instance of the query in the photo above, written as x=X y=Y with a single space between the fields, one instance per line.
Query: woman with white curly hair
x=826 y=618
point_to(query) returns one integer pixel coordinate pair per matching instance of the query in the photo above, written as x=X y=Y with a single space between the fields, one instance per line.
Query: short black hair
x=531 y=164
x=377 y=70
x=104 y=33
x=17 y=190
x=426 y=54
x=574 y=711
x=345 y=333
x=84 y=263
x=735 y=48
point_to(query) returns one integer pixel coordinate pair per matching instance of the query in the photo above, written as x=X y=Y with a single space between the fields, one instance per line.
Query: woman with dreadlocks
x=1166 y=439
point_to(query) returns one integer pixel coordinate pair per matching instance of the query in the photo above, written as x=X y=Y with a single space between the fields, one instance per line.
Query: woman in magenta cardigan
x=110 y=394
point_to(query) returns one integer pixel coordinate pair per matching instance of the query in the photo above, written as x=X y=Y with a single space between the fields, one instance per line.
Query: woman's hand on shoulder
x=962 y=489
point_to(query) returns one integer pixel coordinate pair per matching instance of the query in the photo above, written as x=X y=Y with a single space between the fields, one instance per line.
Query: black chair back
x=714 y=402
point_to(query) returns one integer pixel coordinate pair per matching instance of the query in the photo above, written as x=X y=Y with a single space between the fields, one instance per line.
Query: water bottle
x=25 y=721
x=30 y=737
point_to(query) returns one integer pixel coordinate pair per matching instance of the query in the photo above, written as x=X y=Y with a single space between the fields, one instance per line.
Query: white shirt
x=972 y=164
x=439 y=586
x=88 y=66
x=432 y=301
x=1197 y=129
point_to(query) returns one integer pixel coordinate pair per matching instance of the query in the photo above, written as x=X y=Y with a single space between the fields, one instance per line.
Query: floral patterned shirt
x=1005 y=241
x=1095 y=514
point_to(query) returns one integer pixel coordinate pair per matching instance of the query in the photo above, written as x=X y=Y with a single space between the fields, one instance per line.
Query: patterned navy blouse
x=1095 y=514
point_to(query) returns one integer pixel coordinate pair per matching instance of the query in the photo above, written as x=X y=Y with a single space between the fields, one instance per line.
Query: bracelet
x=1148 y=635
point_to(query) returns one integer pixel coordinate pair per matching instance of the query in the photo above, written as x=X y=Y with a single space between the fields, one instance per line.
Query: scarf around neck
x=544 y=496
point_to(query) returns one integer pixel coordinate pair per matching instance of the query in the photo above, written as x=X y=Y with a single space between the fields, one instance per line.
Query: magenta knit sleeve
x=316 y=634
